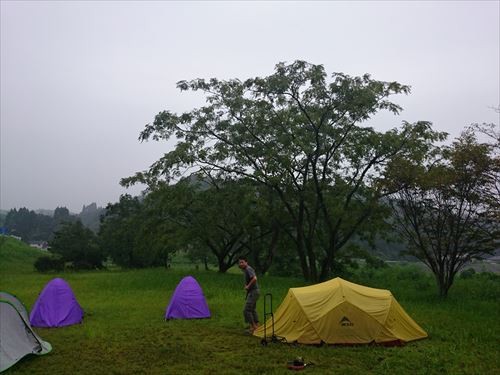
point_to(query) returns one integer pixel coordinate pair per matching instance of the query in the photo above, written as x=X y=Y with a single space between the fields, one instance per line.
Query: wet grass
x=124 y=332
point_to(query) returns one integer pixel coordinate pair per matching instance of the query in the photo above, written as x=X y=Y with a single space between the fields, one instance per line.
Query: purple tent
x=188 y=301
x=56 y=306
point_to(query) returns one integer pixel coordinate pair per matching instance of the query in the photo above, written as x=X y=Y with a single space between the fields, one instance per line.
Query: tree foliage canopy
x=447 y=208
x=77 y=244
x=301 y=135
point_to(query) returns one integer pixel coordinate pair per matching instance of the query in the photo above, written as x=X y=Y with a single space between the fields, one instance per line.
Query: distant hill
x=3 y=215
x=40 y=225
x=43 y=211
x=91 y=215
x=16 y=256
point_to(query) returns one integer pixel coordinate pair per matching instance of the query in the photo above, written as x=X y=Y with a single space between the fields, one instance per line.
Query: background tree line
x=40 y=226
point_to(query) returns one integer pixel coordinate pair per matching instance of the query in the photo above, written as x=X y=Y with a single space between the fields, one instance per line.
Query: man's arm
x=252 y=281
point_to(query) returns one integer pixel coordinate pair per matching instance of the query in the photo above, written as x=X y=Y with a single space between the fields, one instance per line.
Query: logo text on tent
x=345 y=322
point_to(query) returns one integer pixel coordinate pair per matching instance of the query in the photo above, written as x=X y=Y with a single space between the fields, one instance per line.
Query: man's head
x=242 y=262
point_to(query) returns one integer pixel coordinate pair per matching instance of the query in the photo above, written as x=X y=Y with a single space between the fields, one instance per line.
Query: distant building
x=42 y=245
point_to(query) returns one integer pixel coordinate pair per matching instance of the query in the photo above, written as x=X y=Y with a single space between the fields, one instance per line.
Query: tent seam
x=303 y=311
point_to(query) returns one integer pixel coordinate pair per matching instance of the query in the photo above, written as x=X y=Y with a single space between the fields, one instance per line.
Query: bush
x=84 y=265
x=375 y=262
x=468 y=273
x=410 y=272
x=48 y=263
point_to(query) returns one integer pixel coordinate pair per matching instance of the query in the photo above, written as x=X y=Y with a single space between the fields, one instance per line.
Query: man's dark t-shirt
x=249 y=274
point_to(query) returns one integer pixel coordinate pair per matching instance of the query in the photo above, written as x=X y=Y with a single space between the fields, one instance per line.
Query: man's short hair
x=243 y=258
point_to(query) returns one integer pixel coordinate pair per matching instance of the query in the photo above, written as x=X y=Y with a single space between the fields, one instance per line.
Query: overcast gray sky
x=79 y=80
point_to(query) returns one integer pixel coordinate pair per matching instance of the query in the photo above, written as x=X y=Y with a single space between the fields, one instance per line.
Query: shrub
x=409 y=272
x=48 y=263
x=375 y=262
x=468 y=273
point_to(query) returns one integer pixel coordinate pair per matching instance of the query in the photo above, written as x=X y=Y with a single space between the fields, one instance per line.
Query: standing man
x=253 y=293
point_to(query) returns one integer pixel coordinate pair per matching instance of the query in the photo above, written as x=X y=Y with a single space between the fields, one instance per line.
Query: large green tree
x=207 y=219
x=447 y=208
x=77 y=244
x=134 y=234
x=118 y=234
x=301 y=134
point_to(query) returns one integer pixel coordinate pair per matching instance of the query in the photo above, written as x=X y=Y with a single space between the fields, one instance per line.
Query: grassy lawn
x=124 y=332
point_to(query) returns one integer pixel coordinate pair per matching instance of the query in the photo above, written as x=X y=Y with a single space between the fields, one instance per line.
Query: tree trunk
x=263 y=266
x=223 y=266
x=272 y=247
x=326 y=267
x=443 y=285
x=300 y=243
x=311 y=256
x=302 y=256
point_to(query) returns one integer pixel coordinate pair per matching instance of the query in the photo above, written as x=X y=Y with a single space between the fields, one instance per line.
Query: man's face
x=242 y=264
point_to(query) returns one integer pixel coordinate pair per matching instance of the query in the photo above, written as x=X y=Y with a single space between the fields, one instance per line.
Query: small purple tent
x=56 y=306
x=188 y=301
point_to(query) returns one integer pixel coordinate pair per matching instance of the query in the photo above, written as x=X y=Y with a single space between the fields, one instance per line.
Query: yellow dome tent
x=340 y=312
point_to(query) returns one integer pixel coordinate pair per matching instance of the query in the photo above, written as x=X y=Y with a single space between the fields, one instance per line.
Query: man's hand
x=252 y=281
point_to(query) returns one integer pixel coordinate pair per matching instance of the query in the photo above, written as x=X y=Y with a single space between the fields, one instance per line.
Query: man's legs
x=249 y=312
x=255 y=318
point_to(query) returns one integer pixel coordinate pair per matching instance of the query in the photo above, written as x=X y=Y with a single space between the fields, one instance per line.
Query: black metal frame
x=273 y=337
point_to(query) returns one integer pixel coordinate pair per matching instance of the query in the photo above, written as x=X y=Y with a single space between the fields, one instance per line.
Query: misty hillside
x=40 y=225
x=16 y=256
x=3 y=215
x=90 y=216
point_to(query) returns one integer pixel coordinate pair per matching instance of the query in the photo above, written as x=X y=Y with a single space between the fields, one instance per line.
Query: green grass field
x=124 y=332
